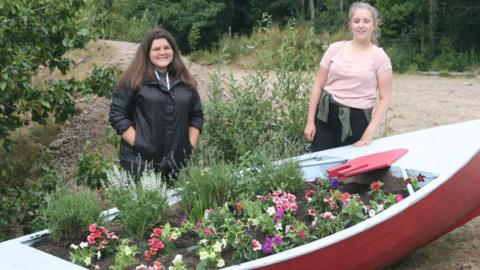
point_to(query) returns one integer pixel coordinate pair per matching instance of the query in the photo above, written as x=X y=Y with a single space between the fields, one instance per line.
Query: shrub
x=92 y=169
x=70 y=213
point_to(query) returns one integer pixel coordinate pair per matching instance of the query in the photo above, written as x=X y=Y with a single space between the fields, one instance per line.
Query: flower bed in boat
x=240 y=231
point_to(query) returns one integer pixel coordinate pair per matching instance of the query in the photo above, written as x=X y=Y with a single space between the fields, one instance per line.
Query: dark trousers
x=329 y=134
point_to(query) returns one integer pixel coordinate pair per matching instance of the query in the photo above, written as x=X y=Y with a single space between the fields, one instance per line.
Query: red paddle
x=366 y=163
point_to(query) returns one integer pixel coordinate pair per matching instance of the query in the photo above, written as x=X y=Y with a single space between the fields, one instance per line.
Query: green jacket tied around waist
x=343 y=113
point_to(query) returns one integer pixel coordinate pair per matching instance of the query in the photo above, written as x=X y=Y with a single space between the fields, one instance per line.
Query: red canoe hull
x=444 y=209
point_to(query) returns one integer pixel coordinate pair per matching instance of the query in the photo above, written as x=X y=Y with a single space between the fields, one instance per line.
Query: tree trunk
x=432 y=12
x=311 y=6
x=341 y=5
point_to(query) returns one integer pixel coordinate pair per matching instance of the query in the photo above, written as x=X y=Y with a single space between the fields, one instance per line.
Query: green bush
x=265 y=112
x=92 y=168
x=24 y=192
x=70 y=213
x=143 y=205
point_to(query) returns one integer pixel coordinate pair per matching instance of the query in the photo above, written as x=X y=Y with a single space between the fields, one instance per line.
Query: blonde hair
x=375 y=16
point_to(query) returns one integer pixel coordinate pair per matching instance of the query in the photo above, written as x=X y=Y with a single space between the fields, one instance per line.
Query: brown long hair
x=141 y=66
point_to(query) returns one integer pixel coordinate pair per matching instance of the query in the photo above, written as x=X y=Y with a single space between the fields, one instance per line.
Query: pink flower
x=301 y=234
x=328 y=215
x=398 y=197
x=207 y=230
x=92 y=228
x=311 y=212
x=331 y=203
x=157 y=265
x=157 y=232
x=91 y=239
x=256 y=245
x=141 y=267
x=148 y=255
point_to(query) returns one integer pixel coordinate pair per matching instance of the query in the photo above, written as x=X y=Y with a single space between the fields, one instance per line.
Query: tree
x=34 y=34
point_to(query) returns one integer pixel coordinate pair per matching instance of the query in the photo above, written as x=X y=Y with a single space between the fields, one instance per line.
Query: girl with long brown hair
x=156 y=108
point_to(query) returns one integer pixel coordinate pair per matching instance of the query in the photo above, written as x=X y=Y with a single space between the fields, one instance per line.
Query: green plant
x=82 y=254
x=70 y=213
x=92 y=168
x=143 y=205
x=101 y=81
x=125 y=256
x=258 y=175
x=205 y=187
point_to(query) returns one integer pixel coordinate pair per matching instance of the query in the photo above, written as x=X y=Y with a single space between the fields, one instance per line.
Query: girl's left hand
x=366 y=138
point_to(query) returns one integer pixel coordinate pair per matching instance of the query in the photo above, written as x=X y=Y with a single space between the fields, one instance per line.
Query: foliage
x=70 y=212
x=125 y=256
x=263 y=113
x=22 y=195
x=259 y=175
x=142 y=205
x=206 y=187
x=33 y=34
x=92 y=168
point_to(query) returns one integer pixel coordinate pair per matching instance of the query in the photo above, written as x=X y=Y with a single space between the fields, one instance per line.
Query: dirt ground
x=418 y=102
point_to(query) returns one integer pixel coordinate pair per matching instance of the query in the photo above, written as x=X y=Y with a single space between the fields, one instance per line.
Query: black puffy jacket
x=161 y=119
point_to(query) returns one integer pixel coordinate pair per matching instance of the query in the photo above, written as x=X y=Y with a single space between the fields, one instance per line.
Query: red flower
x=157 y=265
x=92 y=228
x=157 y=232
x=398 y=197
x=301 y=234
x=91 y=239
x=421 y=177
x=375 y=186
x=309 y=194
x=408 y=181
x=311 y=212
x=238 y=206
x=148 y=255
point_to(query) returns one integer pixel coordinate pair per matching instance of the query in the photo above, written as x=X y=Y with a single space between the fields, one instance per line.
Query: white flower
x=99 y=255
x=217 y=247
x=128 y=251
x=278 y=226
x=371 y=213
x=203 y=255
x=220 y=263
x=73 y=246
x=271 y=211
x=83 y=244
x=87 y=260
x=178 y=259
x=380 y=208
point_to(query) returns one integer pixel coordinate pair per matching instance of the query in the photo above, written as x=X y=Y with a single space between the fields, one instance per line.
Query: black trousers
x=329 y=134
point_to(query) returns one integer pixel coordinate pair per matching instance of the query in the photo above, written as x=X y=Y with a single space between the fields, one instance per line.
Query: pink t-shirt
x=354 y=83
